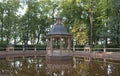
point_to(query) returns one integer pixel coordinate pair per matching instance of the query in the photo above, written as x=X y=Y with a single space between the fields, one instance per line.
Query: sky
x=22 y=10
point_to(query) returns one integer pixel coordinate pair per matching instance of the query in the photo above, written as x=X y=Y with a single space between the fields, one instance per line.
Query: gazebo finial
x=58 y=20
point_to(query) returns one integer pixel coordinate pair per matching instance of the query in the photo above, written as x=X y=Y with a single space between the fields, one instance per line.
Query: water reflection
x=58 y=67
x=38 y=66
x=23 y=67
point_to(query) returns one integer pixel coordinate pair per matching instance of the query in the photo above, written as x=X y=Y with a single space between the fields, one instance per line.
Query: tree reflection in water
x=37 y=66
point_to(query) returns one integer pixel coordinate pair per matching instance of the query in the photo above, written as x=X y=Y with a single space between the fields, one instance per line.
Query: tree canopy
x=91 y=22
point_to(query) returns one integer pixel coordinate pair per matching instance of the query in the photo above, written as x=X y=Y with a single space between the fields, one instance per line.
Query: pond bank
x=103 y=55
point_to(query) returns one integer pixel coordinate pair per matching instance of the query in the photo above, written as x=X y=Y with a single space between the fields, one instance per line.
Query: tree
x=36 y=21
x=74 y=16
x=115 y=23
x=2 y=6
x=79 y=31
x=8 y=13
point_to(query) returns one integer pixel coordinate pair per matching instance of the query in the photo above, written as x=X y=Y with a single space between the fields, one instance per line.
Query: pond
x=38 y=66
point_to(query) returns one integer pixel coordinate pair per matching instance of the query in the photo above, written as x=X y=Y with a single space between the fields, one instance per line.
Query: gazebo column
x=57 y=45
x=51 y=46
x=65 y=43
x=61 y=45
x=69 y=44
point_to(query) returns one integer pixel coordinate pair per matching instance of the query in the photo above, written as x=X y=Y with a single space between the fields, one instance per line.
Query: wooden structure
x=58 y=40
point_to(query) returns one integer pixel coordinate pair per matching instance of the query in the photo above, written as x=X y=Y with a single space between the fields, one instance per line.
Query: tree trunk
x=2 y=20
x=8 y=32
x=27 y=29
x=106 y=45
x=118 y=33
x=53 y=16
x=91 y=25
x=38 y=37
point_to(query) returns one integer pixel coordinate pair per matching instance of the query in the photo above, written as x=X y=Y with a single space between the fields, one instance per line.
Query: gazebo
x=58 y=40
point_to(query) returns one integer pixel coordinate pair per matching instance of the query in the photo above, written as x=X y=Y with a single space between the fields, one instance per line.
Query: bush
x=98 y=46
x=3 y=45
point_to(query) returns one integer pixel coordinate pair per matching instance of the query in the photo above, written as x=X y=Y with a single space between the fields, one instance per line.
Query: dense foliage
x=91 y=22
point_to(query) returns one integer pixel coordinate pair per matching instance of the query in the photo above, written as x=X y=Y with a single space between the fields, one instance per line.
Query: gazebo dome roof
x=58 y=29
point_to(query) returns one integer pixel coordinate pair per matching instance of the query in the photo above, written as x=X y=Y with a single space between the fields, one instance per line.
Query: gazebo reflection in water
x=60 y=67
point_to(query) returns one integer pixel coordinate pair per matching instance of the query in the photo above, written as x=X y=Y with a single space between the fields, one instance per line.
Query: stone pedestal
x=10 y=48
